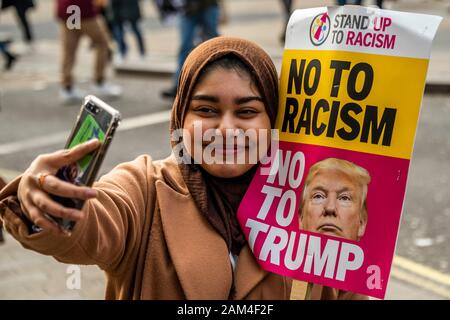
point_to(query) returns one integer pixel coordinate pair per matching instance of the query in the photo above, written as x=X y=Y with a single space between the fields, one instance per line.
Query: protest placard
x=326 y=208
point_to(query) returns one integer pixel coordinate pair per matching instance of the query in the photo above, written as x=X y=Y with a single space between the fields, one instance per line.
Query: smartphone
x=95 y=120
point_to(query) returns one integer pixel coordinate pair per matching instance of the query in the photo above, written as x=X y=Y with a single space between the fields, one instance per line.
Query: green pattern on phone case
x=88 y=130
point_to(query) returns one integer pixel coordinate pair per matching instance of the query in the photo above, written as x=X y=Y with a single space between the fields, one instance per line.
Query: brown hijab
x=218 y=198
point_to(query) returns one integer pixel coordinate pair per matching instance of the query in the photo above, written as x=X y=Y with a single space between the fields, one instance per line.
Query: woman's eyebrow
x=243 y=100
x=215 y=99
x=205 y=97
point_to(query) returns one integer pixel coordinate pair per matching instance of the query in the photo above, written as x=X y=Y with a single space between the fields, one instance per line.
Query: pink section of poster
x=276 y=239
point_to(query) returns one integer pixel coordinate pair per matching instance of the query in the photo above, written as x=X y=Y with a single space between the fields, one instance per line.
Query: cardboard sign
x=326 y=208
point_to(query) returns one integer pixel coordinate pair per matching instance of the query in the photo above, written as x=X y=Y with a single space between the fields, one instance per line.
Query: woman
x=164 y=229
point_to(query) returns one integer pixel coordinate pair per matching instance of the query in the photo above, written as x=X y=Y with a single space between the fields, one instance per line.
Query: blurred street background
x=33 y=121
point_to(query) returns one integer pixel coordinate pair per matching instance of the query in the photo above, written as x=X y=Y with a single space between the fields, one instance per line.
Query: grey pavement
x=29 y=108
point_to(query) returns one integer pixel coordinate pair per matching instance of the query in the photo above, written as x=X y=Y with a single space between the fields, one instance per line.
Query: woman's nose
x=227 y=121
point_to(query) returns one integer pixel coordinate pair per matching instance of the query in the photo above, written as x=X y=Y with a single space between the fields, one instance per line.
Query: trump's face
x=333 y=205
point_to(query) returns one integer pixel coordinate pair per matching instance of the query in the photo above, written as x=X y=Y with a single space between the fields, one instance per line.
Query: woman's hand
x=38 y=182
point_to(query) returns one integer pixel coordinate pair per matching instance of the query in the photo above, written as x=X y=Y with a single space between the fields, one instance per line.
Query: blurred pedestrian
x=287 y=10
x=8 y=56
x=123 y=13
x=359 y=2
x=194 y=15
x=102 y=6
x=168 y=10
x=21 y=8
x=92 y=26
x=378 y=2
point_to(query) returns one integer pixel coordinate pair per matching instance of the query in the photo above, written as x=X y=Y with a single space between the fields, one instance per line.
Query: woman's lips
x=226 y=149
x=235 y=150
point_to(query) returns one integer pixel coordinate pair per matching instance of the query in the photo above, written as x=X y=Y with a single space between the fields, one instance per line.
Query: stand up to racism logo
x=320 y=29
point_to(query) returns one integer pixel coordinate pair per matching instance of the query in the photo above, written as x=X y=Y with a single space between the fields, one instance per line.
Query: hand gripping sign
x=326 y=208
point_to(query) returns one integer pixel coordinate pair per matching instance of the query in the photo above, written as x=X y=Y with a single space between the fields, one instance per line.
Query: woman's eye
x=247 y=112
x=207 y=110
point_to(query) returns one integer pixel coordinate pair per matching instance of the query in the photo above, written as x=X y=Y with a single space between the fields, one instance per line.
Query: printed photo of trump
x=334 y=199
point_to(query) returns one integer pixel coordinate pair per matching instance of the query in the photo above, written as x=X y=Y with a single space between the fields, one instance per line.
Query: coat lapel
x=199 y=254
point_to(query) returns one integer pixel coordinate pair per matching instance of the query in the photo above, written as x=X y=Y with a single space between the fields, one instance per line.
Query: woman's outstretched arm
x=107 y=229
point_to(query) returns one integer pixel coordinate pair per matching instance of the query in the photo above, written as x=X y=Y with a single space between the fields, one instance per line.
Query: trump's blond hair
x=356 y=173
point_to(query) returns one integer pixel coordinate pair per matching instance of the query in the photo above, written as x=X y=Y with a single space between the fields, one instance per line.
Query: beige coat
x=146 y=233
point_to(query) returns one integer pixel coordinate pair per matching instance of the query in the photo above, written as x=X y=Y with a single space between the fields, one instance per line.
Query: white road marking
x=61 y=137
x=43 y=141
x=145 y=120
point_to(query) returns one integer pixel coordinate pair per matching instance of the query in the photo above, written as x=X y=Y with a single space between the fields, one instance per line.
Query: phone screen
x=88 y=129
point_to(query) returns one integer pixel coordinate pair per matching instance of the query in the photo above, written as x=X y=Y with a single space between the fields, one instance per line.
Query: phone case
x=99 y=154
